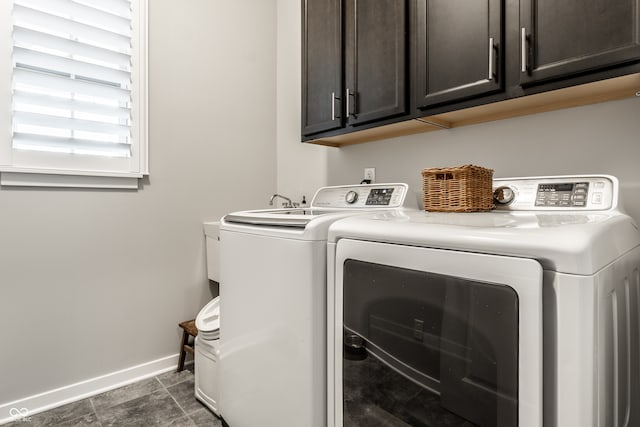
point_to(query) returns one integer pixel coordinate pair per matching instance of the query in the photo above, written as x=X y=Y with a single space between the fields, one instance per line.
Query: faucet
x=287 y=204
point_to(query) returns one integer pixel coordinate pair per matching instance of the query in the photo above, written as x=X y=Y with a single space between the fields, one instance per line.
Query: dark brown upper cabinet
x=370 y=66
x=375 y=60
x=564 y=38
x=458 y=50
x=322 y=85
x=359 y=79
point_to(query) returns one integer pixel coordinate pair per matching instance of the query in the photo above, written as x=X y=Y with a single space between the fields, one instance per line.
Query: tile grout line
x=176 y=402
x=93 y=408
x=128 y=399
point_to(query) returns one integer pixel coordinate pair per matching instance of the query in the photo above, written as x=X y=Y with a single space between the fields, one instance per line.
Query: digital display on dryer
x=565 y=195
x=556 y=187
x=379 y=197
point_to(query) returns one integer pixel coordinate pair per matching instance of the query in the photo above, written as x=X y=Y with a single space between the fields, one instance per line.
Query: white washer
x=524 y=316
x=273 y=306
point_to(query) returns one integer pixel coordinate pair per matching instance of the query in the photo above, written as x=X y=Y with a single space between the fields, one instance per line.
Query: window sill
x=31 y=178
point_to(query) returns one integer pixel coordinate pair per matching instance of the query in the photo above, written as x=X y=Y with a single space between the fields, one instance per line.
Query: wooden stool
x=188 y=329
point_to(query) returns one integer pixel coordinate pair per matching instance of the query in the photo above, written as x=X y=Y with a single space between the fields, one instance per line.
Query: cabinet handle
x=348 y=101
x=348 y=107
x=355 y=63
x=523 y=49
x=490 y=58
x=333 y=106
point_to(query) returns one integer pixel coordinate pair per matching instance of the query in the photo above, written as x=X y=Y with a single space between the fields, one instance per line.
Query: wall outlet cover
x=370 y=174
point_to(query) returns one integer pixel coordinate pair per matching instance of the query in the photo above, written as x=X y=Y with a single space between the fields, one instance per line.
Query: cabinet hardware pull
x=490 y=58
x=333 y=106
x=523 y=49
x=355 y=62
x=349 y=96
x=348 y=107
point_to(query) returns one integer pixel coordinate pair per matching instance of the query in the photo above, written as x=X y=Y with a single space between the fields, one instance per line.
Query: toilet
x=207 y=354
x=208 y=323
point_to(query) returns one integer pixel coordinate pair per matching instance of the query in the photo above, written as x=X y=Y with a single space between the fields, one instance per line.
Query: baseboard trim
x=32 y=405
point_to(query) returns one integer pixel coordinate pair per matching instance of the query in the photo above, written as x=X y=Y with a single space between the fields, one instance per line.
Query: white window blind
x=75 y=99
x=72 y=76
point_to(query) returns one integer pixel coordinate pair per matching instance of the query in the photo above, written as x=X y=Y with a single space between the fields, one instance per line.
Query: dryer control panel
x=589 y=192
x=568 y=194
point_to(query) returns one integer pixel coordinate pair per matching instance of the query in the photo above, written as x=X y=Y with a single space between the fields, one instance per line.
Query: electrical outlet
x=370 y=174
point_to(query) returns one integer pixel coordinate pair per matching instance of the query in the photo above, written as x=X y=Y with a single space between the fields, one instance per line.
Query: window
x=78 y=94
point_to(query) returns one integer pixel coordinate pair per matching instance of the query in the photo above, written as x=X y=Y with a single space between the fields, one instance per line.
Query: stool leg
x=183 y=353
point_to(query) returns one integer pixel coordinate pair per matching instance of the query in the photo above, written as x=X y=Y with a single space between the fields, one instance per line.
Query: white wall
x=600 y=138
x=302 y=168
x=93 y=282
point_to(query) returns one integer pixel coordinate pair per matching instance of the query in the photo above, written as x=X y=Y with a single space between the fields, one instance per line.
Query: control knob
x=503 y=195
x=351 y=197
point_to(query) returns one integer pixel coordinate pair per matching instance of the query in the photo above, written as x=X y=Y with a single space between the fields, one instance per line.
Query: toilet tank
x=212 y=238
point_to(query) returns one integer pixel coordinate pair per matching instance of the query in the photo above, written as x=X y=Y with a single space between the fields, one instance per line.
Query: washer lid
x=297 y=217
x=208 y=320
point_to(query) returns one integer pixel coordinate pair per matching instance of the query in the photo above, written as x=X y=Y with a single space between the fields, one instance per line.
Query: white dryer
x=273 y=306
x=520 y=317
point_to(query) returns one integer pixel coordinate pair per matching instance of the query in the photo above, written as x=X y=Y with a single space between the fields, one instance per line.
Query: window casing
x=76 y=71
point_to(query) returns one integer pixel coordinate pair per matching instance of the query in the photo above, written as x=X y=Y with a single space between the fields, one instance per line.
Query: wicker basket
x=465 y=188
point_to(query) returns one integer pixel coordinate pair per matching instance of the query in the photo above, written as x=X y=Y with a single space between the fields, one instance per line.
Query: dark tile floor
x=164 y=400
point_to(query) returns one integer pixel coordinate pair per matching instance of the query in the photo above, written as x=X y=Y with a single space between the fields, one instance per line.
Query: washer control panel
x=589 y=192
x=361 y=196
x=380 y=196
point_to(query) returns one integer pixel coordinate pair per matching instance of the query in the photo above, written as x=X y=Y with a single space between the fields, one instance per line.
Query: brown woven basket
x=465 y=188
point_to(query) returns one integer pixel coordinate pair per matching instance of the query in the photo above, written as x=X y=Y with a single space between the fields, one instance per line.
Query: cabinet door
x=321 y=65
x=458 y=50
x=375 y=58
x=561 y=38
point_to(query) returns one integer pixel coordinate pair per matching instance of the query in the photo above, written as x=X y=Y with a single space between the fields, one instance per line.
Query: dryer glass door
x=435 y=337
